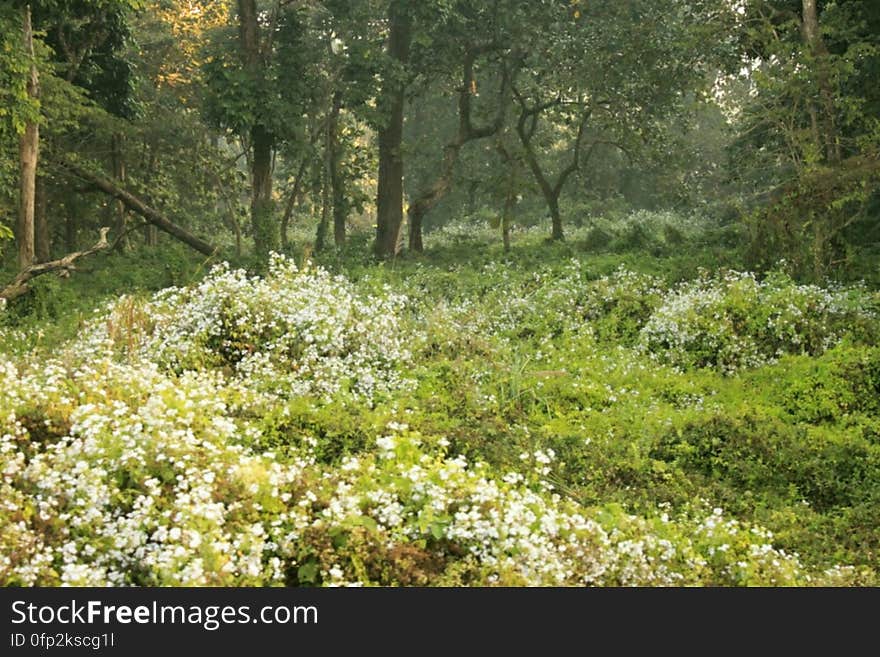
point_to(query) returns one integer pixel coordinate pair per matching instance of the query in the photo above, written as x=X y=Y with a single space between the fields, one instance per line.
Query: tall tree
x=29 y=145
x=826 y=135
x=582 y=88
x=551 y=188
x=264 y=85
x=86 y=79
x=808 y=144
x=262 y=141
x=467 y=131
x=389 y=196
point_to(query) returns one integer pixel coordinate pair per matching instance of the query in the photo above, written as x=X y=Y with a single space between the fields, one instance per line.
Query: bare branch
x=575 y=163
x=137 y=205
x=64 y=266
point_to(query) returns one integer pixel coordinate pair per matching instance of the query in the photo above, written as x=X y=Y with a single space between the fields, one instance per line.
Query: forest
x=440 y=293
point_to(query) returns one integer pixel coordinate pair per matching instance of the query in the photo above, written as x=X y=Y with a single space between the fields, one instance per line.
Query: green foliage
x=89 y=45
x=734 y=321
x=658 y=400
x=57 y=309
x=525 y=401
x=16 y=107
x=844 y=383
x=808 y=138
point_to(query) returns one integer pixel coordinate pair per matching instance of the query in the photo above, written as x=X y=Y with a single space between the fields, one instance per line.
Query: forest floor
x=627 y=407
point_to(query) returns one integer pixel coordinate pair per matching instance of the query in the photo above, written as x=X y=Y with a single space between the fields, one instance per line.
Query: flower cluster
x=136 y=455
x=119 y=474
x=292 y=332
x=733 y=320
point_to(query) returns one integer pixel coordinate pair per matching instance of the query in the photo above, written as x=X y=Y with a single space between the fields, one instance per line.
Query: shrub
x=113 y=474
x=733 y=320
x=293 y=332
x=621 y=303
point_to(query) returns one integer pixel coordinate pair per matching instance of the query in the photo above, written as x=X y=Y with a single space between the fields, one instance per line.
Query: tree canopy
x=249 y=119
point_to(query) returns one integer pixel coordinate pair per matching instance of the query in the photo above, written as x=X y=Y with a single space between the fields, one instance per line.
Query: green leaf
x=369 y=523
x=308 y=572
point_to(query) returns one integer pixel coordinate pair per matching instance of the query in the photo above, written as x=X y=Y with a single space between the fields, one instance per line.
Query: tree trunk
x=266 y=233
x=816 y=44
x=509 y=202
x=416 y=215
x=429 y=198
x=509 y=192
x=551 y=197
x=332 y=191
x=118 y=162
x=28 y=151
x=265 y=229
x=291 y=202
x=151 y=236
x=42 y=237
x=466 y=132
x=236 y=228
x=337 y=189
x=389 y=199
x=552 y=191
x=326 y=210
x=137 y=205
x=556 y=219
x=151 y=233
x=296 y=194
x=473 y=185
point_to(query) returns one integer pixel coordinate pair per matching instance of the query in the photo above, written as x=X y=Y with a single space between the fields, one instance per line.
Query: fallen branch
x=134 y=204
x=63 y=266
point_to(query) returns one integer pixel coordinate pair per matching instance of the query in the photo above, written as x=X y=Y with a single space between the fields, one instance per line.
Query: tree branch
x=64 y=266
x=135 y=204
x=575 y=163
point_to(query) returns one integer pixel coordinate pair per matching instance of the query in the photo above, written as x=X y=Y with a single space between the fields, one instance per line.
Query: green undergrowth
x=626 y=409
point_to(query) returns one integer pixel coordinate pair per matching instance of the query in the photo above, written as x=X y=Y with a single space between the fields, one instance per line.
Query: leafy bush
x=733 y=320
x=117 y=475
x=621 y=303
x=846 y=381
x=294 y=331
x=613 y=307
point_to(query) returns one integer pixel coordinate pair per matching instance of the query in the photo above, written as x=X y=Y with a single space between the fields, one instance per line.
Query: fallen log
x=134 y=204
x=63 y=266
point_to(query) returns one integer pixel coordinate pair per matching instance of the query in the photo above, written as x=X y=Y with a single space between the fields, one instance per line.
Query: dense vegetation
x=543 y=416
x=618 y=324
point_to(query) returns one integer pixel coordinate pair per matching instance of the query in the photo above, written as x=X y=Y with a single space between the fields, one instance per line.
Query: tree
x=466 y=132
x=72 y=57
x=272 y=83
x=818 y=53
x=433 y=49
x=175 y=161
x=509 y=187
x=262 y=140
x=29 y=145
x=389 y=196
x=581 y=89
x=526 y=127
x=808 y=143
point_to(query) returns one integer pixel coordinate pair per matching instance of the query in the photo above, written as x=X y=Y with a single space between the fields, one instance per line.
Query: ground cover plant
x=505 y=418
